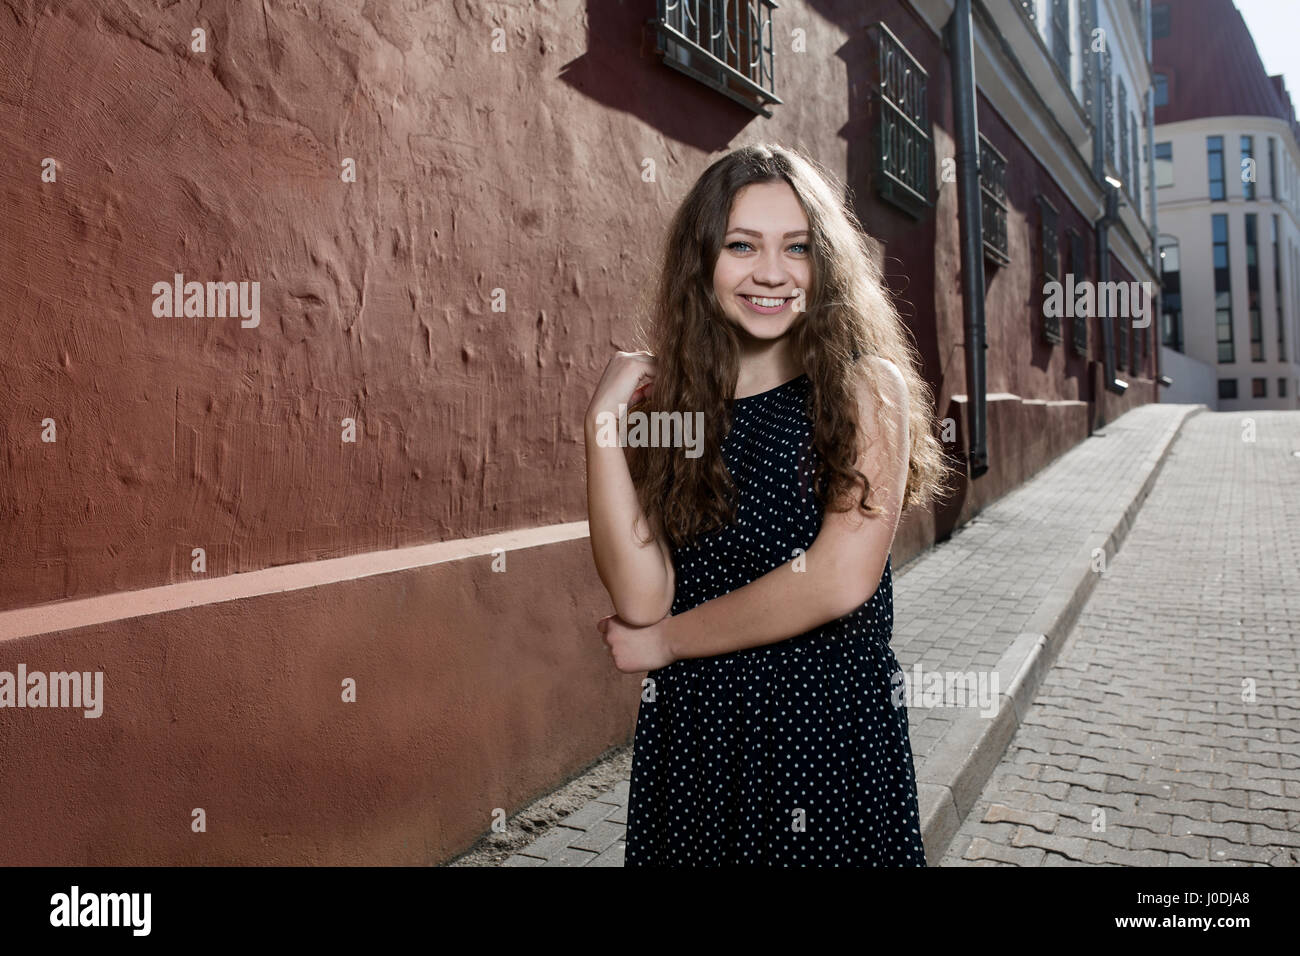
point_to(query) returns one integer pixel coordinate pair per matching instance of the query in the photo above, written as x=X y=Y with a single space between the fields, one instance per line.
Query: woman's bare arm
x=631 y=557
x=842 y=566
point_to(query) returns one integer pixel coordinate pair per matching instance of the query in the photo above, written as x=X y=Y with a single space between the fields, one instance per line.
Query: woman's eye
x=801 y=248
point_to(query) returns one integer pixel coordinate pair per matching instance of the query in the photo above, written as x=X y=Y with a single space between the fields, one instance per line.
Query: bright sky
x=1275 y=25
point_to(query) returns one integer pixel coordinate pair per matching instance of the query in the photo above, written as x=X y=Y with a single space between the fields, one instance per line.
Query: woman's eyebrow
x=753 y=232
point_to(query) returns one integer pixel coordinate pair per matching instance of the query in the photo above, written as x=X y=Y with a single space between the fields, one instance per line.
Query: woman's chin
x=768 y=331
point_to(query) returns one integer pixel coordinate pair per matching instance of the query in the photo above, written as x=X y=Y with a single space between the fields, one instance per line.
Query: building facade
x=1228 y=185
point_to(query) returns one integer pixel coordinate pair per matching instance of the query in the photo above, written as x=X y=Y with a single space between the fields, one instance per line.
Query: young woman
x=752 y=578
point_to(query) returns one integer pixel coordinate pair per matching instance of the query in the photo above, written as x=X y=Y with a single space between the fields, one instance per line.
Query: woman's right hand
x=627 y=379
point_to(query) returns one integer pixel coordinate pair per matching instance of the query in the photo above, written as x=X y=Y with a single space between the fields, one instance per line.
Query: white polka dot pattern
x=790 y=754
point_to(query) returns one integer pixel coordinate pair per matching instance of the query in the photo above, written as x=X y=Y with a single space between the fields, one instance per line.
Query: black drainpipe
x=1110 y=196
x=966 y=125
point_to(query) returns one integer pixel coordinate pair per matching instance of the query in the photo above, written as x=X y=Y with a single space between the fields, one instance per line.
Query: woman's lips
x=764 y=309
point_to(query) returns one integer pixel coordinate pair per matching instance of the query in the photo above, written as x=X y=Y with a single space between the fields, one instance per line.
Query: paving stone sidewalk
x=1144 y=746
x=960 y=607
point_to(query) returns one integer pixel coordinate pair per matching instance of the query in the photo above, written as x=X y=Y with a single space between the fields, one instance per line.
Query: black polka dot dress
x=790 y=754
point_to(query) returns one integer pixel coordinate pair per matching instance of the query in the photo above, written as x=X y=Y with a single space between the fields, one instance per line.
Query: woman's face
x=764 y=269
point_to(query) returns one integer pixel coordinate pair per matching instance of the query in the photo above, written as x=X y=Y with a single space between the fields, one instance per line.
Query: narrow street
x=1168 y=730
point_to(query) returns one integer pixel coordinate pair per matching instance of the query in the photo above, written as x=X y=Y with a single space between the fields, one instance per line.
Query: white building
x=1228 y=195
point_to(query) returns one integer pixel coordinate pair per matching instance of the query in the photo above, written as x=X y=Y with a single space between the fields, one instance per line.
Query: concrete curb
x=956 y=770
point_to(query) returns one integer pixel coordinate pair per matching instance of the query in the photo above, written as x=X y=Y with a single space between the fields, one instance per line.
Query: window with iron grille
x=1122 y=336
x=1135 y=187
x=725 y=44
x=1123 y=135
x=1259 y=388
x=1061 y=35
x=1087 y=23
x=1139 y=346
x=1079 y=269
x=1109 y=99
x=903 y=134
x=993 y=202
x=1049 y=252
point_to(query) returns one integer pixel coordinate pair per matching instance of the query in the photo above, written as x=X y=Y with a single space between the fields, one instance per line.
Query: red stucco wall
x=475 y=171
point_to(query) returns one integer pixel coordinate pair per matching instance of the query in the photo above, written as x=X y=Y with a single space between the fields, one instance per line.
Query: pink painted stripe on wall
x=64 y=615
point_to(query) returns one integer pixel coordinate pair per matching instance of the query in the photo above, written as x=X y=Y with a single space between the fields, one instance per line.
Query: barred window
x=1087 y=24
x=1061 y=34
x=1123 y=136
x=993 y=202
x=903 y=134
x=1135 y=190
x=1079 y=269
x=1050 y=252
x=1109 y=99
x=1121 y=336
x=725 y=44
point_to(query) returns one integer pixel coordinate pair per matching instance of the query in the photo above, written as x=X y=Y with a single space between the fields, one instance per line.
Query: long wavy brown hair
x=849 y=313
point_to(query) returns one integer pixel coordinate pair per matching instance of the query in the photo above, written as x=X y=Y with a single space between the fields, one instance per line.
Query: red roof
x=1213 y=68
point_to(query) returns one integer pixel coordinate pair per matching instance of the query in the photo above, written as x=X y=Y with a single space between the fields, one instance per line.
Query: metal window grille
x=1087 y=23
x=904 y=147
x=725 y=44
x=1109 y=100
x=1079 y=267
x=1048 y=224
x=993 y=202
x=1135 y=185
x=1123 y=136
x=1061 y=34
x=1122 y=337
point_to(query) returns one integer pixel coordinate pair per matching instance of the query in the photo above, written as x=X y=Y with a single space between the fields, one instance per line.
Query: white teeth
x=765 y=303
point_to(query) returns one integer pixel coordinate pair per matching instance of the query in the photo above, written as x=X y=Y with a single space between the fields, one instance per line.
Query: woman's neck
x=766 y=367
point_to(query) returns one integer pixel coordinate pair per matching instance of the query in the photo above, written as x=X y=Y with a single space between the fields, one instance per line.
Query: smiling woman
x=770 y=731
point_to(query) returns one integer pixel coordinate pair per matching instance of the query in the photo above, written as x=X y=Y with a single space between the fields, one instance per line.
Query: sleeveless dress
x=789 y=754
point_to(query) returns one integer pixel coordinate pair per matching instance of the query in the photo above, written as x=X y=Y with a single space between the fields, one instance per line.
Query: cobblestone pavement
x=1202 y=595
x=1168 y=731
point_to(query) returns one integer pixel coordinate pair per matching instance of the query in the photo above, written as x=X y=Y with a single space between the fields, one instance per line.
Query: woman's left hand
x=635 y=649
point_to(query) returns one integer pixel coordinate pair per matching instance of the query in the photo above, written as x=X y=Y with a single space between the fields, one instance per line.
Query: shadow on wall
x=621 y=41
